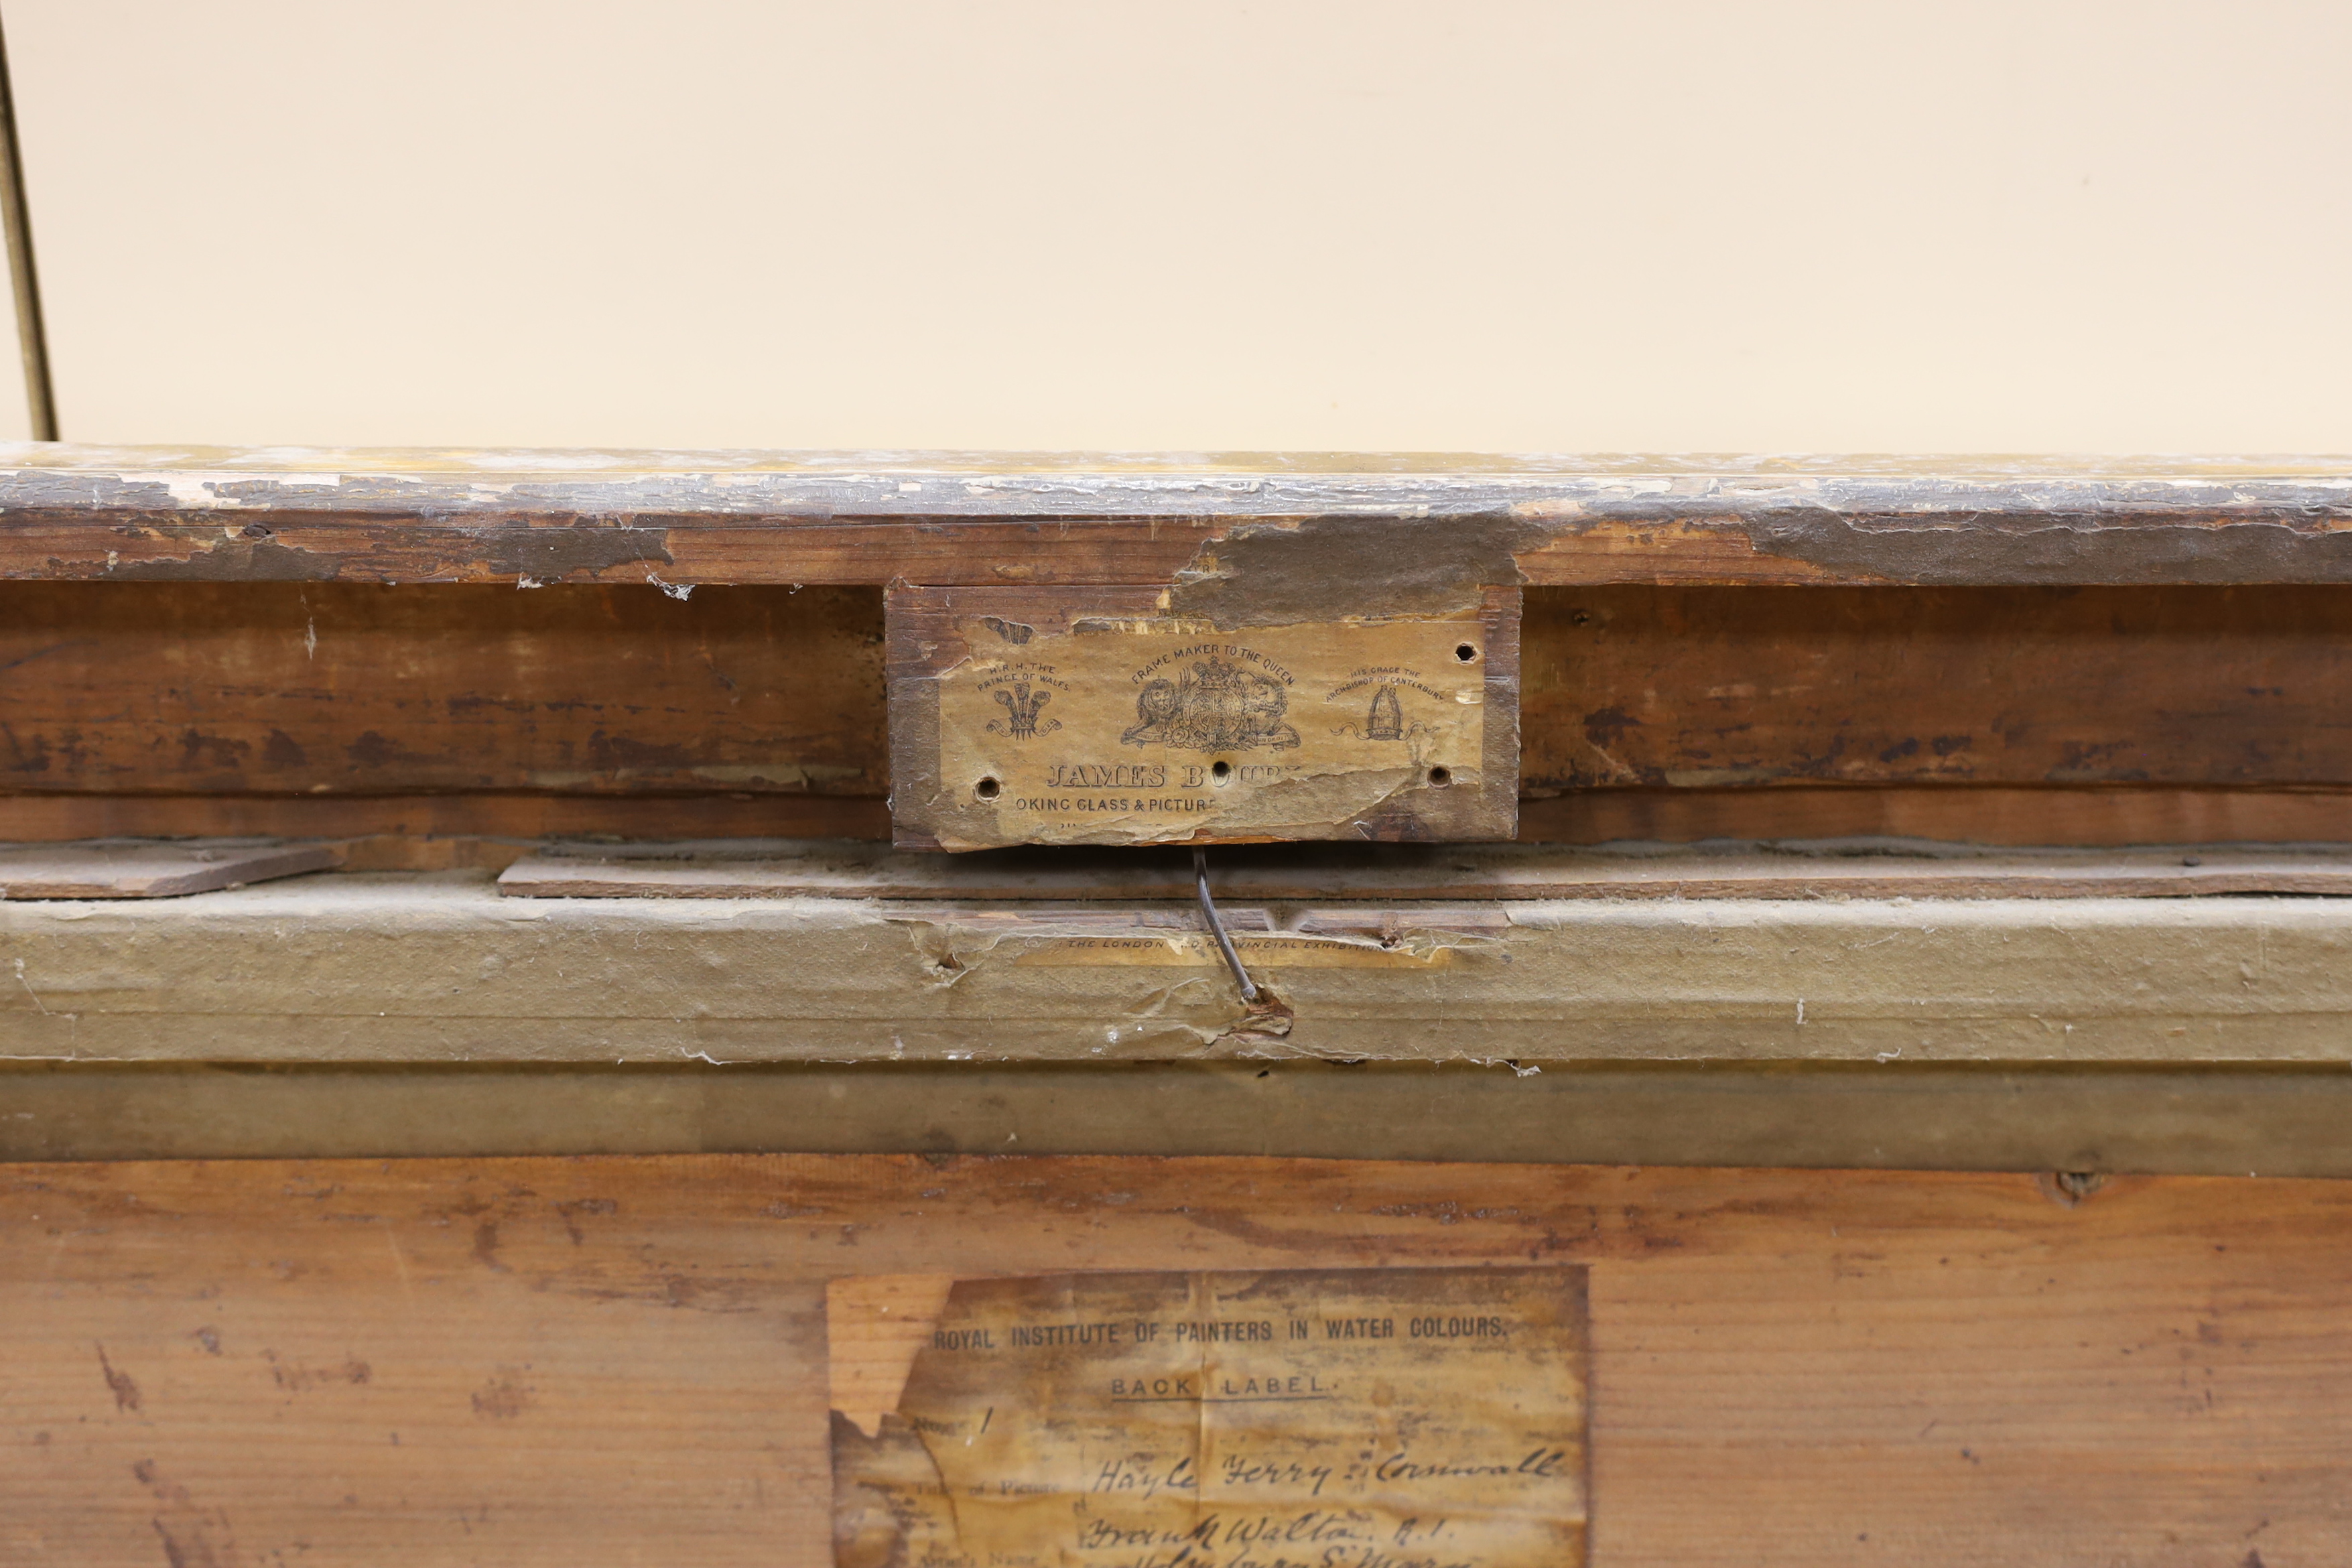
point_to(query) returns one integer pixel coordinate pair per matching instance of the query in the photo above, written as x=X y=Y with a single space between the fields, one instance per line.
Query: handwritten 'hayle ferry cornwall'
x=1142 y=1475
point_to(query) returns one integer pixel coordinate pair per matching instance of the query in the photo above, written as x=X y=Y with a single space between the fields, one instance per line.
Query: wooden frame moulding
x=245 y=683
x=1837 y=1367
x=1211 y=526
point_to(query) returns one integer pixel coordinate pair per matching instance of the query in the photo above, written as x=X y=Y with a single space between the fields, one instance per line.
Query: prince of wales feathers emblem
x=1021 y=707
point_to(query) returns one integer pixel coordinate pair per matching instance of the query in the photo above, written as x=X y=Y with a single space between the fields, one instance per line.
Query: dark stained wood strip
x=194 y=514
x=2106 y=815
x=1871 y=869
x=426 y=831
x=2089 y=716
x=357 y=690
x=429 y=831
x=349 y=689
x=150 y=870
x=1687 y=687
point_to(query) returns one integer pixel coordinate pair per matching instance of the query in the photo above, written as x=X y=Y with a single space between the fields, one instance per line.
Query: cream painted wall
x=1782 y=224
x=16 y=422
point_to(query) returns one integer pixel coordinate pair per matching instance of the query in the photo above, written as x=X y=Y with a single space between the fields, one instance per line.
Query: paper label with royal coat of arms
x=1134 y=729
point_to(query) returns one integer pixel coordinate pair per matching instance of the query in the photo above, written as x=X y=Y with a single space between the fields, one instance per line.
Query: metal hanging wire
x=1217 y=927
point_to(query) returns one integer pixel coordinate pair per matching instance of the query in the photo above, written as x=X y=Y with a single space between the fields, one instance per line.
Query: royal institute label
x=1337 y=1418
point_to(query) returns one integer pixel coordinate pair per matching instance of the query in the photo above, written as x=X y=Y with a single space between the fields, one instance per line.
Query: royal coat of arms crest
x=1217 y=708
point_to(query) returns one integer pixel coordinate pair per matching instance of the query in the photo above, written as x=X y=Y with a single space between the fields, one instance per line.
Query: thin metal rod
x=31 y=336
x=1217 y=927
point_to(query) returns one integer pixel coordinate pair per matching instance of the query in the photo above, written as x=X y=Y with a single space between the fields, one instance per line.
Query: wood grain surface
x=2178 y=1120
x=1689 y=687
x=439 y=968
x=346 y=691
x=1877 y=869
x=353 y=689
x=2076 y=814
x=435 y=832
x=595 y=1363
x=143 y=868
x=278 y=514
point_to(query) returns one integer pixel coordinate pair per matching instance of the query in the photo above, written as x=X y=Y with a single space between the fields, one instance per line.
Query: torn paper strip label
x=1083 y=716
x=1342 y=1418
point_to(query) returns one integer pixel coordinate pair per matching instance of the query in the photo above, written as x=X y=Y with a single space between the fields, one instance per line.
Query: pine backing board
x=623 y=1362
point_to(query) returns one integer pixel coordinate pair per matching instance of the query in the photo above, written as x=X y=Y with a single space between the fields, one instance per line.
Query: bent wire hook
x=1217 y=927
